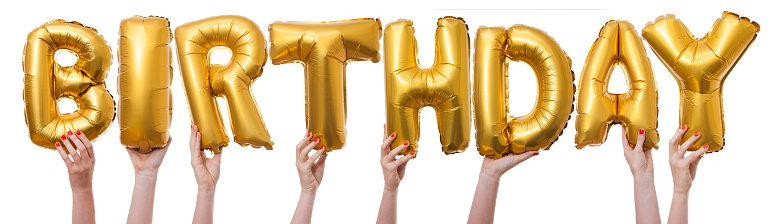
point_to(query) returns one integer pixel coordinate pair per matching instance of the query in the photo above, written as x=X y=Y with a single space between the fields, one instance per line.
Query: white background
x=562 y=185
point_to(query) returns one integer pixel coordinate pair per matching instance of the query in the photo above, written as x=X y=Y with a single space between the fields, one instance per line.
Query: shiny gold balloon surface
x=700 y=66
x=444 y=86
x=497 y=134
x=618 y=44
x=45 y=82
x=144 y=108
x=324 y=48
x=204 y=81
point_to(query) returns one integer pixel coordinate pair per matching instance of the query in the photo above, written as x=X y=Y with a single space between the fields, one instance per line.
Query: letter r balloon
x=204 y=81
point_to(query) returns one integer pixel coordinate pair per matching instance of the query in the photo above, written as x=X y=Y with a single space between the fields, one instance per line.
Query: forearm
x=141 y=210
x=483 y=206
x=678 y=212
x=645 y=201
x=304 y=210
x=387 y=212
x=204 y=207
x=83 y=206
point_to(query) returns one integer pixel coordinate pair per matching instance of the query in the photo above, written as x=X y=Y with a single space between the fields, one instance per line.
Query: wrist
x=643 y=179
x=153 y=173
x=306 y=193
x=85 y=190
x=489 y=176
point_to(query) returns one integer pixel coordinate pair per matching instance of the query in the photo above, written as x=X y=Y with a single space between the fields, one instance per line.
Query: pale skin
x=393 y=173
x=683 y=172
x=641 y=164
x=145 y=177
x=311 y=171
x=483 y=206
x=81 y=171
x=207 y=172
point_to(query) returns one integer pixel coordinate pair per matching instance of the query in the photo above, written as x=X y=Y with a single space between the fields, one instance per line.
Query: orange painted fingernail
x=536 y=153
x=57 y=144
x=64 y=137
x=412 y=153
x=697 y=134
x=69 y=132
x=393 y=134
x=317 y=140
x=642 y=131
x=78 y=132
x=685 y=126
x=406 y=142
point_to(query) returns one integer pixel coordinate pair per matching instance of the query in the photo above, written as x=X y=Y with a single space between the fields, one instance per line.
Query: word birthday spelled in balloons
x=700 y=66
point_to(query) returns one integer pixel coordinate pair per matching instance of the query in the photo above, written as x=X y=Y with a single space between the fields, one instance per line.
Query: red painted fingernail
x=697 y=134
x=309 y=135
x=322 y=147
x=406 y=142
x=78 y=132
x=705 y=146
x=393 y=134
x=642 y=131
x=412 y=153
x=57 y=144
x=191 y=125
x=536 y=153
x=317 y=140
x=64 y=137
x=685 y=126
x=69 y=132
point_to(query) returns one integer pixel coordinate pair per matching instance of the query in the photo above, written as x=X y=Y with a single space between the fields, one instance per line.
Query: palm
x=208 y=172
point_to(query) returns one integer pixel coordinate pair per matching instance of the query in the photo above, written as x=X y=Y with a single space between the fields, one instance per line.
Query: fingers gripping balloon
x=637 y=109
x=144 y=108
x=444 y=86
x=324 y=48
x=497 y=134
x=45 y=82
x=700 y=66
x=204 y=81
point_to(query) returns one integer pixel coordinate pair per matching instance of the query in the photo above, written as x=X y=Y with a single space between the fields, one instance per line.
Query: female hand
x=81 y=167
x=147 y=164
x=310 y=170
x=393 y=168
x=207 y=170
x=684 y=168
x=495 y=168
x=640 y=161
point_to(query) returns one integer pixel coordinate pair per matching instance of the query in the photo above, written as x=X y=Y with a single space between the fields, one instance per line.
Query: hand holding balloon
x=311 y=170
x=393 y=173
x=81 y=170
x=640 y=161
x=683 y=172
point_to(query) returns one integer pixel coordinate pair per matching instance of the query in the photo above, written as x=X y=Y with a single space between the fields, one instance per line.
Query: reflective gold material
x=700 y=66
x=444 y=86
x=144 y=107
x=618 y=44
x=45 y=82
x=498 y=134
x=204 y=81
x=324 y=49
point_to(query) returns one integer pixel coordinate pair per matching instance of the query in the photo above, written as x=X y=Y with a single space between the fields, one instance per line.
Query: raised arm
x=81 y=170
x=393 y=172
x=311 y=170
x=145 y=176
x=207 y=172
x=483 y=206
x=683 y=171
x=646 y=205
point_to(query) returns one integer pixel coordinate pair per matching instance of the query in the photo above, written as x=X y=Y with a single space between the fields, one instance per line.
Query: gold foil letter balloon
x=324 y=48
x=444 y=86
x=204 y=81
x=497 y=134
x=618 y=44
x=144 y=108
x=45 y=82
x=700 y=66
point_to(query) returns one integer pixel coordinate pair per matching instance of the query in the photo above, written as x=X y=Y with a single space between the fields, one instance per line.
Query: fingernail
x=322 y=147
x=78 y=132
x=412 y=153
x=69 y=132
x=64 y=137
x=697 y=134
x=705 y=146
x=536 y=153
x=317 y=140
x=642 y=131
x=191 y=125
x=309 y=135
x=393 y=134
x=685 y=126
x=406 y=142
x=57 y=144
